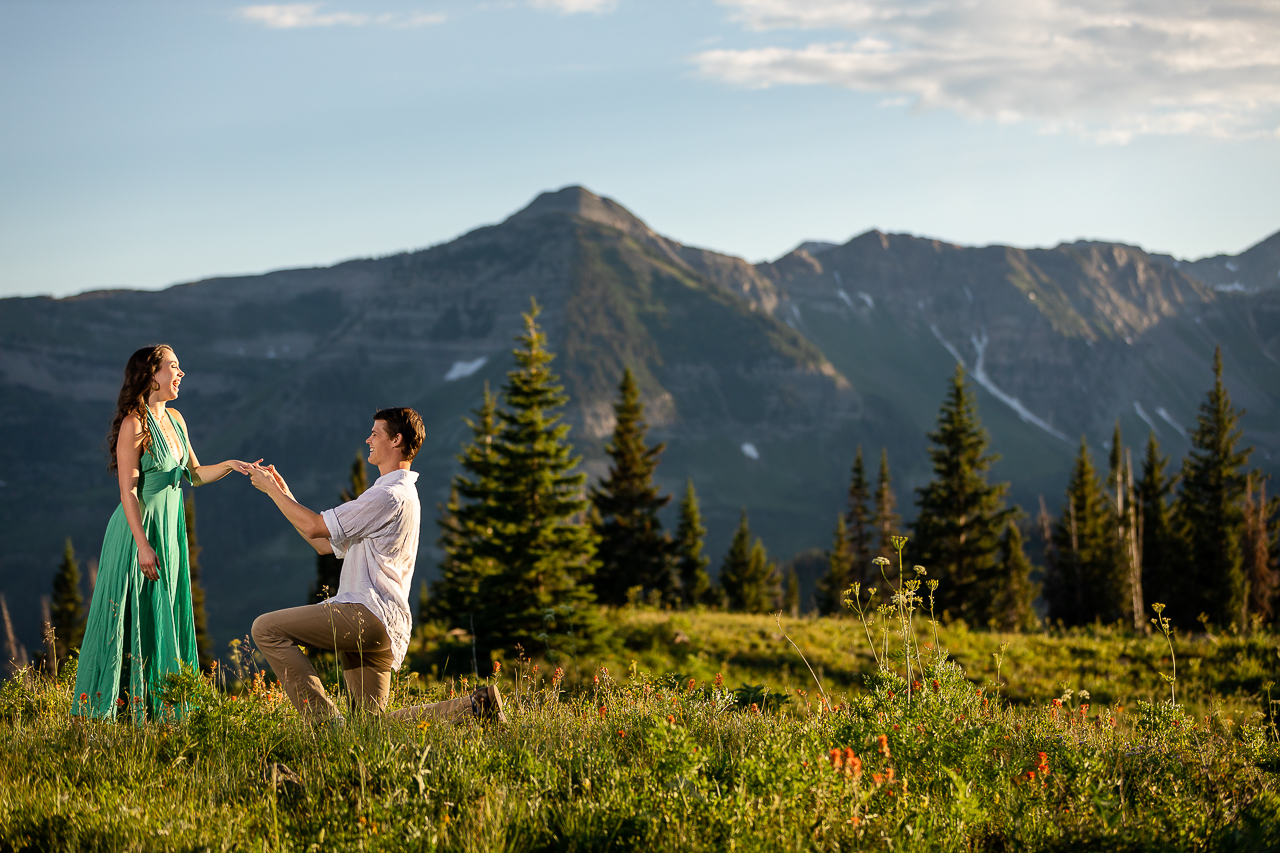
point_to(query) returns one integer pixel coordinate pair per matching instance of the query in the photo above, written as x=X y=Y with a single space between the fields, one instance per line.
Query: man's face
x=382 y=448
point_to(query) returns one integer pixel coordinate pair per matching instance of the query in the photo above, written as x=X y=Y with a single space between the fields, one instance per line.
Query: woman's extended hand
x=148 y=562
x=242 y=467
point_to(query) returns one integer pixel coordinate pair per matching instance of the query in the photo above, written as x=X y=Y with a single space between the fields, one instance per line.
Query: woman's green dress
x=139 y=630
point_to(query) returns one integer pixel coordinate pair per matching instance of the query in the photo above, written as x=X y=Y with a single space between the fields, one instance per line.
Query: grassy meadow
x=692 y=731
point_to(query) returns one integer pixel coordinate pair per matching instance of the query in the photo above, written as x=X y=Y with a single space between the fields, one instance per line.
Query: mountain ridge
x=801 y=358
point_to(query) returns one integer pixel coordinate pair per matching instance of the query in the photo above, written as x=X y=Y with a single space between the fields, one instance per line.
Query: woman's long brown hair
x=139 y=375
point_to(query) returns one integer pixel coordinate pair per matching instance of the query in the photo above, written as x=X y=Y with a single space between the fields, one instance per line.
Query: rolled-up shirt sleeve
x=359 y=519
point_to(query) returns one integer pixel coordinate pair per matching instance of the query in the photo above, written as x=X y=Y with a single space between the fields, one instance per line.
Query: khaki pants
x=363 y=647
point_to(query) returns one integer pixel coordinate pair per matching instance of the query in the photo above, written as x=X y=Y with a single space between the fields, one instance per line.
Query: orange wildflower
x=604 y=712
x=883 y=741
x=836 y=757
x=671 y=718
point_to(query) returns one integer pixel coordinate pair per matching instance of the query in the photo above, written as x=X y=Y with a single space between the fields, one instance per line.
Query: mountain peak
x=581 y=202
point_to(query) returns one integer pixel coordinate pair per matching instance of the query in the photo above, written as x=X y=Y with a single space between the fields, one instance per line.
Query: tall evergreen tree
x=467 y=521
x=749 y=580
x=1115 y=459
x=204 y=645
x=840 y=573
x=633 y=550
x=67 y=609
x=1158 y=537
x=887 y=523
x=961 y=517
x=329 y=567
x=1090 y=585
x=1259 y=549
x=542 y=545
x=1209 y=506
x=691 y=563
x=791 y=594
x=1016 y=592
x=859 y=522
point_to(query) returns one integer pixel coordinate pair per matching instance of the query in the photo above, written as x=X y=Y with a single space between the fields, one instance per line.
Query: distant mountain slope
x=761 y=378
x=1252 y=271
x=290 y=366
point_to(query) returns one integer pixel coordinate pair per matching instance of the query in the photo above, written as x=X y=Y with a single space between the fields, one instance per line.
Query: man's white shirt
x=376 y=537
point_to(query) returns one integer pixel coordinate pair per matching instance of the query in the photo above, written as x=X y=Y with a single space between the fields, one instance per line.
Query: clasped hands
x=265 y=478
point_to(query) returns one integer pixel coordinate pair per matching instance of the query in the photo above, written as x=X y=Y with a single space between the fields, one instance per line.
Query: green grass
x=642 y=760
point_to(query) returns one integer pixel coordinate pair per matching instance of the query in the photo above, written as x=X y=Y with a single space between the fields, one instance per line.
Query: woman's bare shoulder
x=177 y=415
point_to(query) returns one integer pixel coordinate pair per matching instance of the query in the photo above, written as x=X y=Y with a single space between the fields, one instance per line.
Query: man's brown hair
x=408 y=425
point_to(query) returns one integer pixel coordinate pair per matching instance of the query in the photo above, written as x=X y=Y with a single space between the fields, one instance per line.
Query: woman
x=140 y=625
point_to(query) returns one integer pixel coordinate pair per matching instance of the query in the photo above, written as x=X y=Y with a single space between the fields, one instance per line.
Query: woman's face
x=167 y=378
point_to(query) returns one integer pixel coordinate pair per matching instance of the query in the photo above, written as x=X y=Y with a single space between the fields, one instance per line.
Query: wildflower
x=1084 y=711
x=891 y=694
x=84 y=697
x=719 y=680
x=883 y=741
x=881 y=561
x=888 y=774
x=120 y=702
x=1043 y=766
x=936 y=687
x=854 y=820
x=877 y=778
x=671 y=718
x=852 y=763
x=497 y=667
x=1030 y=775
x=897 y=727
x=836 y=757
x=1057 y=703
x=595 y=679
x=558 y=675
x=915 y=686
x=755 y=709
x=604 y=712
x=691 y=684
x=621 y=733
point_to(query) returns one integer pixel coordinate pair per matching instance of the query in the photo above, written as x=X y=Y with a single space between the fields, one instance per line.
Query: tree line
x=528 y=548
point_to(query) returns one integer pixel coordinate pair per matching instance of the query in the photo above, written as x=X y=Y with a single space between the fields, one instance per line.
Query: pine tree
x=1013 y=610
x=204 y=645
x=961 y=517
x=1210 y=510
x=1084 y=539
x=791 y=595
x=1115 y=459
x=749 y=580
x=467 y=521
x=859 y=522
x=839 y=576
x=887 y=523
x=542 y=546
x=633 y=550
x=329 y=567
x=691 y=563
x=1260 y=570
x=1159 y=545
x=67 y=609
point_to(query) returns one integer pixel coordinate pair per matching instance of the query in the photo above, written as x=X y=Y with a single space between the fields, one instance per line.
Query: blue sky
x=145 y=144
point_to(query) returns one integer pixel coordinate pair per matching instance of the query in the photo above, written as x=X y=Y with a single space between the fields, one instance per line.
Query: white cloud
x=288 y=16
x=1107 y=69
x=573 y=7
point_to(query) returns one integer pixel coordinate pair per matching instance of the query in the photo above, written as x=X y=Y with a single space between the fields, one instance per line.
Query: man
x=367 y=623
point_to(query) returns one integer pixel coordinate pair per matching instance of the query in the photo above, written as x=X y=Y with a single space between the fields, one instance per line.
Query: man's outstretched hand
x=266 y=479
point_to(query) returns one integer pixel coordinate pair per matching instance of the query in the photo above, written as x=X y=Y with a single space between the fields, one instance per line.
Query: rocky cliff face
x=761 y=378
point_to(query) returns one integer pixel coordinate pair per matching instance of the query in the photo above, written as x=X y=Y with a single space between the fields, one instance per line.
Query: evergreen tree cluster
x=1202 y=541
